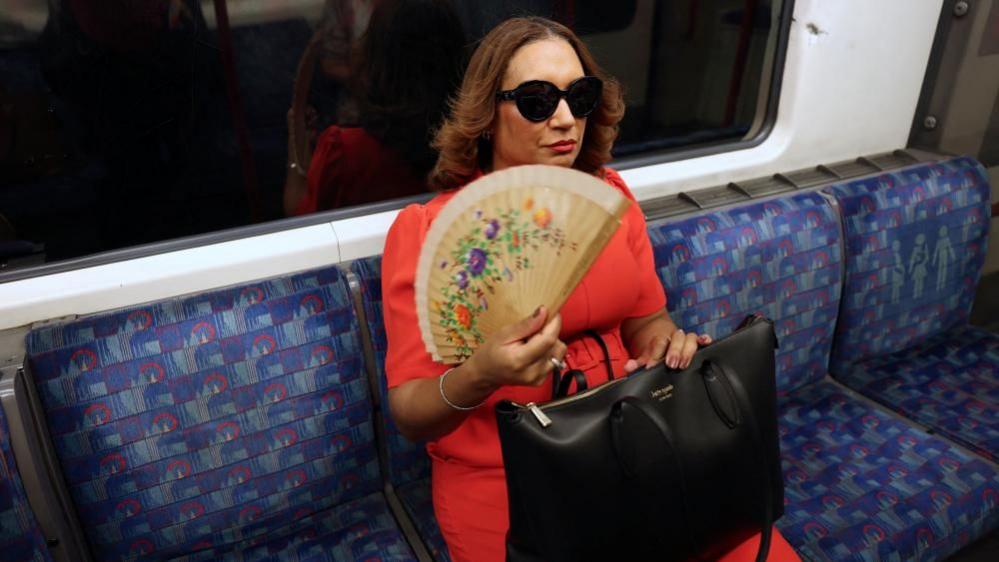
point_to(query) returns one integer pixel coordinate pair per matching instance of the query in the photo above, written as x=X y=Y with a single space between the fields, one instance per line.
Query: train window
x=124 y=123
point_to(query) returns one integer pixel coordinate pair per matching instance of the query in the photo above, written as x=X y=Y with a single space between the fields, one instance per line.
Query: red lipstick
x=563 y=147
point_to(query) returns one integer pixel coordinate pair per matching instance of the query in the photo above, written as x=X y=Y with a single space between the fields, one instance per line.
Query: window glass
x=127 y=122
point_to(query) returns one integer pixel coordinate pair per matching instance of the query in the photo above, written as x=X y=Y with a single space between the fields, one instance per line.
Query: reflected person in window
x=407 y=64
x=620 y=297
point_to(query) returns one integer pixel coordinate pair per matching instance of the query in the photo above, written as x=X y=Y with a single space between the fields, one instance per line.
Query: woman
x=409 y=60
x=500 y=119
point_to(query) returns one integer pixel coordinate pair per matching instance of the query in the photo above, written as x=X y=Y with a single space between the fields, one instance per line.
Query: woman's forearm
x=420 y=411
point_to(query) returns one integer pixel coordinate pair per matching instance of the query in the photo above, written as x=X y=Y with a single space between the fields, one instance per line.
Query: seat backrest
x=779 y=257
x=407 y=461
x=197 y=423
x=915 y=247
x=20 y=536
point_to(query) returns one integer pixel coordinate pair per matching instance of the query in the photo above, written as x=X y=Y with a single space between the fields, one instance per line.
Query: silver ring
x=560 y=365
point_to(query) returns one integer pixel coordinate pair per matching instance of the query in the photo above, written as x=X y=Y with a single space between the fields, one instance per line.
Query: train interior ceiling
x=160 y=135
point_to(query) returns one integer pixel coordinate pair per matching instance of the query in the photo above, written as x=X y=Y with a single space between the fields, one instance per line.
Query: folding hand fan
x=507 y=243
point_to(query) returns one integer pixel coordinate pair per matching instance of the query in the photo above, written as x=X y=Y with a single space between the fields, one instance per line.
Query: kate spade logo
x=663 y=393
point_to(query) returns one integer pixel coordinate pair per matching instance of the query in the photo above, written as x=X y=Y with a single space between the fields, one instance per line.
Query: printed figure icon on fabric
x=920 y=260
x=942 y=254
x=897 y=272
x=917 y=265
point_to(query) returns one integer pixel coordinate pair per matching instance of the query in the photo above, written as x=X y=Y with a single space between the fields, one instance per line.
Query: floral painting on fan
x=496 y=250
x=505 y=244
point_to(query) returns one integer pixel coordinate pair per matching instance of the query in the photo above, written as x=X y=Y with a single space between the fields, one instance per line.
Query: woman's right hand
x=520 y=354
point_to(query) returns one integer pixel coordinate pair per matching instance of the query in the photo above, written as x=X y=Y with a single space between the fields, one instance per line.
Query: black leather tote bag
x=660 y=465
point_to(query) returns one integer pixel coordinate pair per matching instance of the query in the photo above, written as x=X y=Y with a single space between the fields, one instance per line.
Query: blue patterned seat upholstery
x=949 y=382
x=362 y=529
x=234 y=424
x=417 y=499
x=20 y=537
x=862 y=485
x=915 y=245
x=408 y=463
x=782 y=258
x=779 y=258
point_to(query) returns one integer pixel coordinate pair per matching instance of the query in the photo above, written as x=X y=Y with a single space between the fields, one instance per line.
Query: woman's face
x=556 y=140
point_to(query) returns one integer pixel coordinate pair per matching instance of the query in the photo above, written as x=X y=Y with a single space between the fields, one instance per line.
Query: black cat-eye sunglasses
x=537 y=99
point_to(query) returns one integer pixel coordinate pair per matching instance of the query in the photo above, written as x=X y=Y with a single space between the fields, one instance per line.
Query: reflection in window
x=124 y=123
x=400 y=73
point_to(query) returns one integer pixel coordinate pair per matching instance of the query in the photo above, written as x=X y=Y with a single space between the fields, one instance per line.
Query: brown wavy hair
x=459 y=142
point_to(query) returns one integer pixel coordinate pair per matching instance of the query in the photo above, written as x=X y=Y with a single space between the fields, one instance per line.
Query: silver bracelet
x=450 y=403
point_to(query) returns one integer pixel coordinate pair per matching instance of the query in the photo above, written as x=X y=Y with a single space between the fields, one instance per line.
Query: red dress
x=350 y=167
x=468 y=482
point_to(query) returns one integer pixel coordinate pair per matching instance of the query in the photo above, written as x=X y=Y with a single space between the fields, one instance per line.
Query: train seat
x=232 y=424
x=240 y=423
x=20 y=536
x=408 y=466
x=915 y=246
x=859 y=483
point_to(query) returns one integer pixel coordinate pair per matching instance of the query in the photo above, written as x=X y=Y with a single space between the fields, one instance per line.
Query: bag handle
x=560 y=383
x=563 y=385
x=745 y=408
x=744 y=412
x=619 y=436
x=603 y=347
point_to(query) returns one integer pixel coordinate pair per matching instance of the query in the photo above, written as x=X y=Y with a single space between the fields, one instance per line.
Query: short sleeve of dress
x=652 y=295
x=407 y=358
x=321 y=178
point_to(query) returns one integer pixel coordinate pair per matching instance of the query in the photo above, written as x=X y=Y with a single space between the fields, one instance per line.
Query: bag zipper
x=538 y=409
x=544 y=421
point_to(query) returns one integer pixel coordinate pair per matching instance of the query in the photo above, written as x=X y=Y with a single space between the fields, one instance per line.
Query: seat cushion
x=862 y=485
x=361 y=530
x=211 y=418
x=20 y=536
x=407 y=461
x=780 y=258
x=915 y=246
x=949 y=383
x=416 y=498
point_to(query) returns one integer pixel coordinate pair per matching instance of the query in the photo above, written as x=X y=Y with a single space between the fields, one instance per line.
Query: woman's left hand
x=676 y=349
